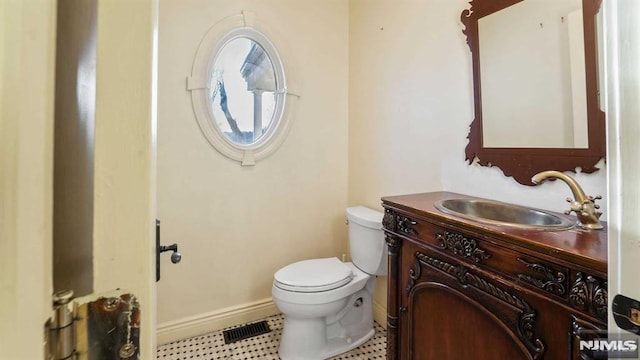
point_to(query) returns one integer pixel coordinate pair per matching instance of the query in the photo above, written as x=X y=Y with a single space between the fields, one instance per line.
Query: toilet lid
x=313 y=275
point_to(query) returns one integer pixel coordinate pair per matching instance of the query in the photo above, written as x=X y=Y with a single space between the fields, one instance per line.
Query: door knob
x=175 y=256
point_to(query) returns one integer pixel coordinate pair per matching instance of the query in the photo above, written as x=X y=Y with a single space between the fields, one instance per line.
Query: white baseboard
x=216 y=320
x=380 y=314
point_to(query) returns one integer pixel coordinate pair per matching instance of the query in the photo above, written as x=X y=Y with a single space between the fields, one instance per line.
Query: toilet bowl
x=328 y=304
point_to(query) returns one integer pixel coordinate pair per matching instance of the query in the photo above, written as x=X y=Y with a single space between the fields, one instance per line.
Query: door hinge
x=93 y=327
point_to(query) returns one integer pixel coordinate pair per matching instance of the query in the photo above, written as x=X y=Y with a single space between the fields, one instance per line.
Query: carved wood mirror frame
x=523 y=163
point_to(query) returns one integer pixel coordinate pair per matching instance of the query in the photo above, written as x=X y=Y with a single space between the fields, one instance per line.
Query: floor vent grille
x=245 y=332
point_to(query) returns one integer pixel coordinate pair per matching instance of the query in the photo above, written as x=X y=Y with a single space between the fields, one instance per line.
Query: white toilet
x=327 y=304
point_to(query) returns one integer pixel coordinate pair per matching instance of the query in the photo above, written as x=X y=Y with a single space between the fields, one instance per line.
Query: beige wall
x=410 y=106
x=235 y=225
x=408 y=84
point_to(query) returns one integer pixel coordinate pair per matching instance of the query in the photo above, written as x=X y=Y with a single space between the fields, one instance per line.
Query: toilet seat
x=314 y=275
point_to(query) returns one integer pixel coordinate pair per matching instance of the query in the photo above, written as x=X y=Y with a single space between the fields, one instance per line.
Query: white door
x=124 y=202
x=622 y=102
x=26 y=138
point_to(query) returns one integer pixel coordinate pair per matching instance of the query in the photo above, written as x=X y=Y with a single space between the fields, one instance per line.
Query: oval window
x=239 y=91
x=244 y=91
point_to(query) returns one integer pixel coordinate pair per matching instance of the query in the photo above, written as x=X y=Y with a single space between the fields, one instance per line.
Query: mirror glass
x=532 y=76
x=243 y=91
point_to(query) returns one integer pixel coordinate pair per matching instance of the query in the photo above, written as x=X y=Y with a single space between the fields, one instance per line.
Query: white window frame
x=198 y=83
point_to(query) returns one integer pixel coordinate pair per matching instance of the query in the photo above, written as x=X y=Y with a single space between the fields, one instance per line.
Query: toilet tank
x=366 y=240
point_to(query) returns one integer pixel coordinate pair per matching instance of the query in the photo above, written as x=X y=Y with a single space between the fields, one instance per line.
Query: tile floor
x=212 y=347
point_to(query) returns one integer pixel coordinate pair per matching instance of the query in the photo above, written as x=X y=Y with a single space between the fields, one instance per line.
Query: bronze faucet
x=584 y=206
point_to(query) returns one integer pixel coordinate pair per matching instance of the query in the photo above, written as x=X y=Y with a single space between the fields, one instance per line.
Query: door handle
x=175 y=255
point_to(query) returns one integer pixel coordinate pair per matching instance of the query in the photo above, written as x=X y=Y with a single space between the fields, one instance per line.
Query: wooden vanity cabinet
x=462 y=290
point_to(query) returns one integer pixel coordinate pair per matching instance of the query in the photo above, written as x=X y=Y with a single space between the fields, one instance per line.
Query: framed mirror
x=535 y=86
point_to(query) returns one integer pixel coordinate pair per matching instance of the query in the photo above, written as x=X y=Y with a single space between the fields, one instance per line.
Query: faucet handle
x=575 y=206
x=596 y=206
x=591 y=199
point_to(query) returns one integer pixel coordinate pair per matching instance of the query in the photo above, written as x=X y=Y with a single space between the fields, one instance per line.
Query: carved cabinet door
x=584 y=330
x=451 y=311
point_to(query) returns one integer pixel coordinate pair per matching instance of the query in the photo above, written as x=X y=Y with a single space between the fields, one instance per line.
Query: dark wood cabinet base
x=460 y=290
